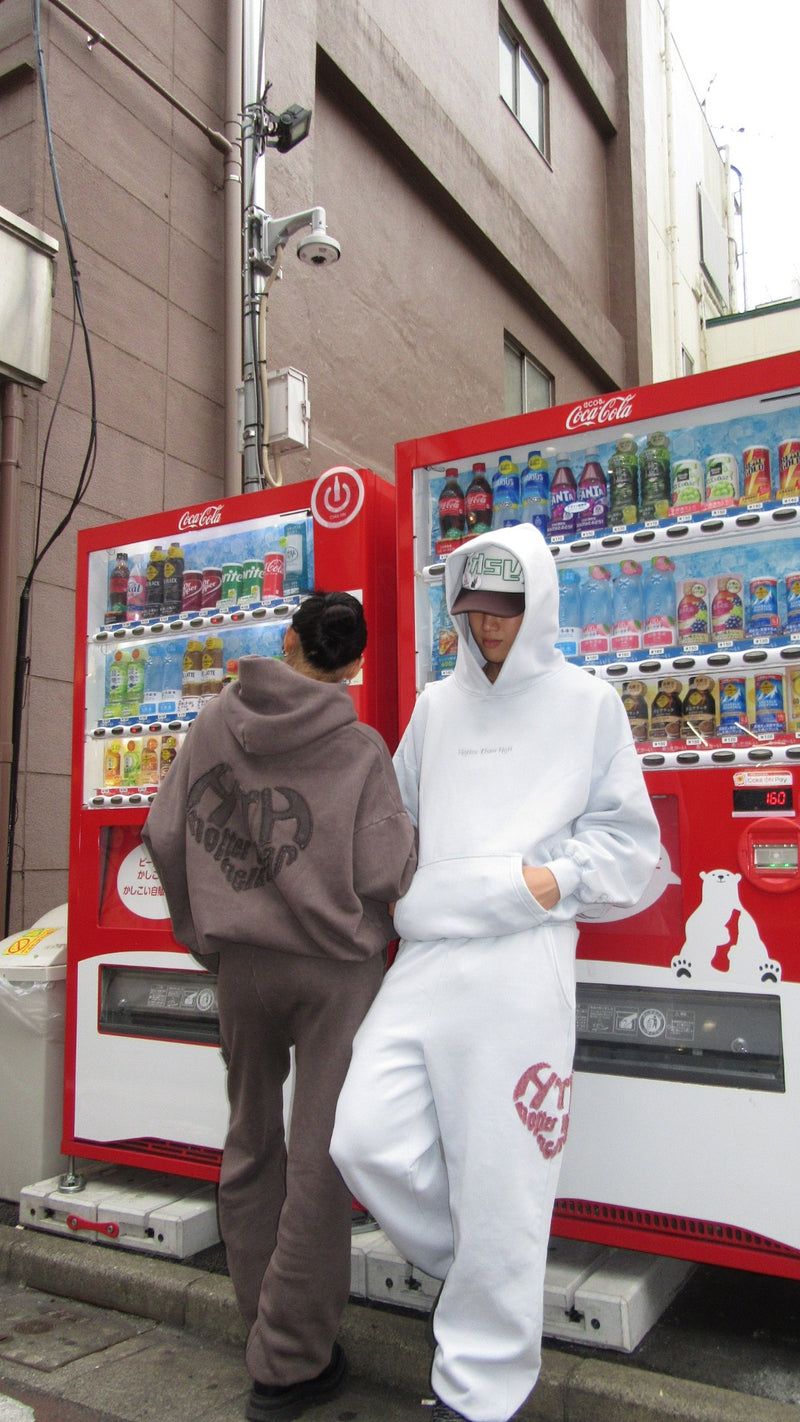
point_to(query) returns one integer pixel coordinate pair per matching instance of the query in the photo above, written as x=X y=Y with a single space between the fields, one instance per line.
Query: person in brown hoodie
x=280 y=839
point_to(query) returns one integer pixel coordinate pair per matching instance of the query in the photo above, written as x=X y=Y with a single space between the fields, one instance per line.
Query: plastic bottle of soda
x=655 y=486
x=569 y=613
x=478 y=501
x=505 y=493
x=592 y=496
x=660 y=614
x=172 y=598
x=137 y=591
x=626 y=630
x=452 y=511
x=563 y=498
x=535 y=493
x=117 y=600
x=623 y=483
x=596 y=611
x=155 y=581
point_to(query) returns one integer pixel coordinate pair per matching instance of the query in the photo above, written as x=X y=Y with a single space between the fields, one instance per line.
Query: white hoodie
x=537 y=768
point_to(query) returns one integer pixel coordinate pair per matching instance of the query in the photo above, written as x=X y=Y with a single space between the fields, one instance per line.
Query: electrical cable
x=22 y=662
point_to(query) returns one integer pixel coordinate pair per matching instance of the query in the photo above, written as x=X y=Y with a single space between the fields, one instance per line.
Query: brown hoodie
x=280 y=823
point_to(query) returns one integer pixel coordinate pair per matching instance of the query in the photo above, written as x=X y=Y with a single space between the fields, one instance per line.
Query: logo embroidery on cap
x=542 y=1101
x=504 y=572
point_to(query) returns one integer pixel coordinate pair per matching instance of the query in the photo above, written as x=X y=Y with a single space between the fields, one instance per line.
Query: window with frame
x=528 y=386
x=523 y=86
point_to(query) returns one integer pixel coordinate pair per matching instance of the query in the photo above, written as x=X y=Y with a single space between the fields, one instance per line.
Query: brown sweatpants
x=285 y=1217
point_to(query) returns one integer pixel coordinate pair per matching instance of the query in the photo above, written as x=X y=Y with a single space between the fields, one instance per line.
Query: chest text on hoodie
x=276 y=820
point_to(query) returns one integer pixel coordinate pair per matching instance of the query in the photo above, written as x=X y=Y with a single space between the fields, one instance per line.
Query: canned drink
x=688 y=486
x=793 y=723
x=272 y=577
x=211 y=589
x=756 y=474
x=727 y=607
x=769 y=702
x=793 y=602
x=231 y=585
x=763 y=616
x=789 y=467
x=252 y=577
x=296 y=568
x=732 y=705
x=722 y=480
x=192 y=590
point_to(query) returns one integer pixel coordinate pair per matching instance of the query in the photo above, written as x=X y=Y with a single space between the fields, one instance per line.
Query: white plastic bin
x=33 y=971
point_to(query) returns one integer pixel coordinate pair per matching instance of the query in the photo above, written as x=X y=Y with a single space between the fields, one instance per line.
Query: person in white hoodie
x=521 y=775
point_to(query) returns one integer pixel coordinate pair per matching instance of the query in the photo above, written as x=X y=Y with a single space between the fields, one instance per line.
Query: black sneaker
x=443 y=1413
x=270 y=1403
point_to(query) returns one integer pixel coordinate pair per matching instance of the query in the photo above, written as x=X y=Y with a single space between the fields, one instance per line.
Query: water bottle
x=153 y=679
x=596 y=611
x=626 y=629
x=569 y=613
x=535 y=493
x=172 y=676
x=505 y=494
x=660 y=613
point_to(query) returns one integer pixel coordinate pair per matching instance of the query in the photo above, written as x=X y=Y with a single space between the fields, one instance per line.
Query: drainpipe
x=672 y=206
x=234 y=250
x=10 y=449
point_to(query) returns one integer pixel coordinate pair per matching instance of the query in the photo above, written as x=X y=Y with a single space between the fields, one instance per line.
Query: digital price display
x=763 y=800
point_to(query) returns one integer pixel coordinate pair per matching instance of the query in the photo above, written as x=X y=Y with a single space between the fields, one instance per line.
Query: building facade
x=482 y=167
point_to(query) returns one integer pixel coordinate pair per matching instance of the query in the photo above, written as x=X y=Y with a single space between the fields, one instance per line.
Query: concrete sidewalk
x=385 y=1348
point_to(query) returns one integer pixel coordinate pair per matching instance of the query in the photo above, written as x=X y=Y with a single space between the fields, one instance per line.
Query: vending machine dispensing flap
x=769 y=854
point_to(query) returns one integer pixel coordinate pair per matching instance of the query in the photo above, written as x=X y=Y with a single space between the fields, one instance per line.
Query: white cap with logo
x=493 y=582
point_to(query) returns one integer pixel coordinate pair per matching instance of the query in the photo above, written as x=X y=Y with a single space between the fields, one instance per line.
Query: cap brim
x=497 y=604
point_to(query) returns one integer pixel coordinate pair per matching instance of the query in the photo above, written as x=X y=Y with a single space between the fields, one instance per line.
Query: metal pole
x=10 y=455
x=233 y=255
x=254 y=189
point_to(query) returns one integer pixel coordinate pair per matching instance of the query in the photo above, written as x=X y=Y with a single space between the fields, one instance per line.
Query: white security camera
x=319 y=248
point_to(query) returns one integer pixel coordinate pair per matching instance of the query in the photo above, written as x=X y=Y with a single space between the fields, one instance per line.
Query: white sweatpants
x=450 y=1128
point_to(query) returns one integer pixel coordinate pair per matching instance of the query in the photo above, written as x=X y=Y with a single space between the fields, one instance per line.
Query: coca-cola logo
x=206 y=518
x=602 y=410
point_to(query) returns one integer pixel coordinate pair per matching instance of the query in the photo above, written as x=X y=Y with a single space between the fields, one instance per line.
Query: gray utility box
x=27 y=262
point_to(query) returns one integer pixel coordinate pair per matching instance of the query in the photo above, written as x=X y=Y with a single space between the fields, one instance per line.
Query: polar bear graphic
x=722 y=937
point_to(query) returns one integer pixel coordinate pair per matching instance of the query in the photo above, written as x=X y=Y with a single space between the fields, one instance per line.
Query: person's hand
x=542 y=884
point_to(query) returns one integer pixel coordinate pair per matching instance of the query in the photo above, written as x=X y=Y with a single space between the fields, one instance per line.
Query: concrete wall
x=454 y=230
x=753 y=335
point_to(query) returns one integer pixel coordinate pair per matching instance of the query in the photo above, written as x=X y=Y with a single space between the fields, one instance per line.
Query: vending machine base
x=601 y=1297
x=132 y=1209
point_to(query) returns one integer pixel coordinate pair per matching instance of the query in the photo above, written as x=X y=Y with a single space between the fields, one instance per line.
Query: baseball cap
x=493 y=582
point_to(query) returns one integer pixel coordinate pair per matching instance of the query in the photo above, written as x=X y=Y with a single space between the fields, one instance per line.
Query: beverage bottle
x=134 y=681
x=149 y=763
x=626 y=629
x=727 y=607
x=505 y=493
x=666 y=711
x=117 y=681
x=131 y=761
x=655 y=487
x=112 y=764
x=155 y=581
x=153 y=679
x=117 y=599
x=660 y=615
x=212 y=667
x=137 y=591
x=596 y=611
x=693 y=615
x=535 y=493
x=172 y=597
x=172 y=674
x=634 y=699
x=192 y=676
x=623 y=483
x=699 y=711
x=592 y=496
x=452 y=511
x=563 y=498
x=569 y=613
x=478 y=501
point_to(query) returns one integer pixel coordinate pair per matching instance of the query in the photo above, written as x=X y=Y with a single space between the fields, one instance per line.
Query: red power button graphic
x=337 y=496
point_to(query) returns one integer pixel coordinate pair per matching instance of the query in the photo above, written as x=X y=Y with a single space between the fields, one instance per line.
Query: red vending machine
x=166 y=605
x=673 y=513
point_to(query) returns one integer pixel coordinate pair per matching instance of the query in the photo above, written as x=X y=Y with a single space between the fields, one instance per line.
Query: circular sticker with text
x=337 y=496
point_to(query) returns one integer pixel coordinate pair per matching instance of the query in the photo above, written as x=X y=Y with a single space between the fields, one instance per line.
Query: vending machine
x=166 y=606
x=673 y=514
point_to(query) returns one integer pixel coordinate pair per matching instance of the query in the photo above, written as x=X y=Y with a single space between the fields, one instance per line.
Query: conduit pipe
x=672 y=229
x=10 y=457
x=233 y=248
